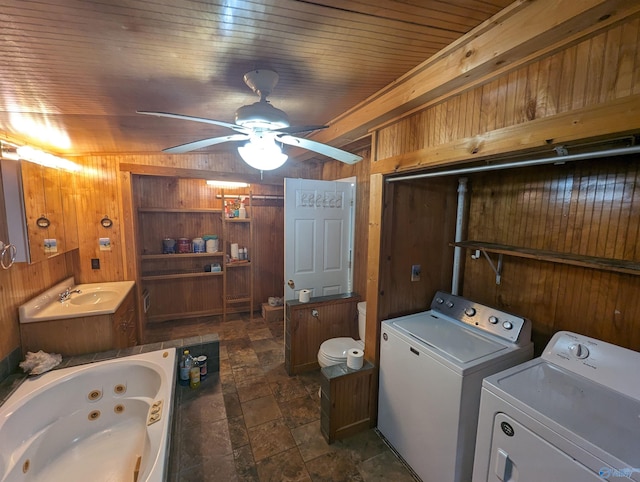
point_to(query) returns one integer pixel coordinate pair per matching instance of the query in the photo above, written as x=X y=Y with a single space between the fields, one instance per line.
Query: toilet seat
x=335 y=349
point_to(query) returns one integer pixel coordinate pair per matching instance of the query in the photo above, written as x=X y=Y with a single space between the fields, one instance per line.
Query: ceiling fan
x=264 y=126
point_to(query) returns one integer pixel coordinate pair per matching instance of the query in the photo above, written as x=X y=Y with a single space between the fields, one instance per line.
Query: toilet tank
x=362 y=318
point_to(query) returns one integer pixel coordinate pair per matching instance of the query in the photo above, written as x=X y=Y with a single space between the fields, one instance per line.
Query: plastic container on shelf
x=212 y=243
x=198 y=245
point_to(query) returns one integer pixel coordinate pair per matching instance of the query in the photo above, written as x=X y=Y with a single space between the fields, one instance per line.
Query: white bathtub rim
x=35 y=386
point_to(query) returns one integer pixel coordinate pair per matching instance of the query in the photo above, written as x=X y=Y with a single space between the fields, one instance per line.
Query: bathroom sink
x=93 y=299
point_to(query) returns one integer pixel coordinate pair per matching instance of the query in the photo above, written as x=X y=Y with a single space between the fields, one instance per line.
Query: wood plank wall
x=587 y=208
x=596 y=70
x=421 y=226
x=22 y=282
x=332 y=170
x=170 y=192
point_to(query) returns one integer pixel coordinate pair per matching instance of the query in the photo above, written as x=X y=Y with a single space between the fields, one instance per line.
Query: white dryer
x=431 y=370
x=571 y=415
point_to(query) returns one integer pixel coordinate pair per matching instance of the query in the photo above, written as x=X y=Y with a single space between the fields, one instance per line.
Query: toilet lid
x=337 y=348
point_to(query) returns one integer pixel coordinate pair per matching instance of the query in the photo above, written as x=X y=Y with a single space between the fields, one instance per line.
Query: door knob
x=291 y=284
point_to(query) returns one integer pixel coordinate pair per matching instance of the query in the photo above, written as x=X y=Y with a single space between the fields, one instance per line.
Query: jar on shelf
x=211 y=243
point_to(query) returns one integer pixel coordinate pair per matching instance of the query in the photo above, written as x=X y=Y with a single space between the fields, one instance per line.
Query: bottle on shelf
x=242 y=212
x=194 y=374
x=186 y=363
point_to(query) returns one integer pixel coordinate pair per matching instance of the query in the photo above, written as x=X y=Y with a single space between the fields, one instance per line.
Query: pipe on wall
x=461 y=216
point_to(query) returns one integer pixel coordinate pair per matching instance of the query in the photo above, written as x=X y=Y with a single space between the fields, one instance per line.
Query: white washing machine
x=571 y=415
x=431 y=370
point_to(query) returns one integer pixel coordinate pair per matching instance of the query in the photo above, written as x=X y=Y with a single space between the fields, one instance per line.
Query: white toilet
x=334 y=350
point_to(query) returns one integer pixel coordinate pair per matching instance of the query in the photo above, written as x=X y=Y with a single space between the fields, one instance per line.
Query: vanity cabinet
x=84 y=334
x=40 y=210
x=124 y=323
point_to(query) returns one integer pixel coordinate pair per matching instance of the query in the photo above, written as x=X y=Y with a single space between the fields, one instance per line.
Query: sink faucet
x=66 y=294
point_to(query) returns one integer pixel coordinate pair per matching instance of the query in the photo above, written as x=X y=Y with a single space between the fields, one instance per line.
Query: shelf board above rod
x=180 y=210
x=607 y=264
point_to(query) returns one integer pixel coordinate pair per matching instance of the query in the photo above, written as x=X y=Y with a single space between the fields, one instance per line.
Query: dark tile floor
x=268 y=426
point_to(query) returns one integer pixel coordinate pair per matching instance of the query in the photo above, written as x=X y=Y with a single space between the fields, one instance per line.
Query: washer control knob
x=449 y=304
x=578 y=350
x=439 y=301
x=493 y=320
x=470 y=311
x=507 y=325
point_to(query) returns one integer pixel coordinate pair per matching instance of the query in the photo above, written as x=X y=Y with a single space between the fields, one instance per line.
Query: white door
x=318 y=233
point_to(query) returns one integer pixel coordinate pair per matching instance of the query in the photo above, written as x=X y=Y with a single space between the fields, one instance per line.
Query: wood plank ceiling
x=74 y=72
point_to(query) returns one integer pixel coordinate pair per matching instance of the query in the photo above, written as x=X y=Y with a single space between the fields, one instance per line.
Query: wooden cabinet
x=347 y=404
x=179 y=285
x=40 y=209
x=124 y=323
x=85 y=334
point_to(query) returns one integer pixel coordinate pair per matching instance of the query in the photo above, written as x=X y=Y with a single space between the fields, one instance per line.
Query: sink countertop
x=97 y=299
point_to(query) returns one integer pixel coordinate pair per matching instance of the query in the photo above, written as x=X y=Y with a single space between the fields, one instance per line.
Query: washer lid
x=448 y=336
x=600 y=416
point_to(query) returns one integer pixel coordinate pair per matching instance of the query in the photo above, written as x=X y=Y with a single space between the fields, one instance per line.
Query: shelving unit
x=593 y=262
x=178 y=284
x=238 y=291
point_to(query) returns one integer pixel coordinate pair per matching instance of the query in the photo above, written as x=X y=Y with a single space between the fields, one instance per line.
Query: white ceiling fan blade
x=329 y=151
x=192 y=146
x=235 y=127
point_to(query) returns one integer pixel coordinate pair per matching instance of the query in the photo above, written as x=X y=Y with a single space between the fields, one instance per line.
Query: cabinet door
x=35 y=208
x=69 y=210
x=50 y=210
x=125 y=324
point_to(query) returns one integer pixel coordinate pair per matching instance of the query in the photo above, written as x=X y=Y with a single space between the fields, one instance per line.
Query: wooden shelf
x=217 y=254
x=238 y=299
x=238 y=264
x=237 y=220
x=607 y=264
x=180 y=210
x=182 y=314
x=164 y=276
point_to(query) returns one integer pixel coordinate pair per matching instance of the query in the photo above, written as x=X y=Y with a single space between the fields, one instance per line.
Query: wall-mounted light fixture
x=228 y=184
x=27 y=153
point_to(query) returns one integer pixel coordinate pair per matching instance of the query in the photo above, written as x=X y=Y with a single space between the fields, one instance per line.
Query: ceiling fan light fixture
x=261 y=115
x=264 y=155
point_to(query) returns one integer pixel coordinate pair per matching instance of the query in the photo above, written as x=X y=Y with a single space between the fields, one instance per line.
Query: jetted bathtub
x=104 y=421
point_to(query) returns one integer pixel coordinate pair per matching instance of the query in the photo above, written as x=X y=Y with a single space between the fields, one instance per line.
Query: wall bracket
x=496 y=269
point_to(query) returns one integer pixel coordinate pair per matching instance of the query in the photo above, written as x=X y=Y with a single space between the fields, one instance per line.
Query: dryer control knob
x=493 y=320
x=450 y=304
x=470 y=311
x=578 y=350
x=507 y=325
x=439 y=300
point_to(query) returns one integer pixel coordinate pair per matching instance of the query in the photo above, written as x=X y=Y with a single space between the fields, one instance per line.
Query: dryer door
x=520 y=455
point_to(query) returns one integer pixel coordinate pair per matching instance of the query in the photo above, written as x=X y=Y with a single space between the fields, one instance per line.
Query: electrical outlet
x=95 y=263
x=415 y=272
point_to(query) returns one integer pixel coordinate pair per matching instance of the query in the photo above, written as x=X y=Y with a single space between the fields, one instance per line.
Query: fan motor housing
x=261 y=114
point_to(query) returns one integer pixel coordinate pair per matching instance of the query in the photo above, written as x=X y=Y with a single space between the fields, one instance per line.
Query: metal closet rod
x=510 y=165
